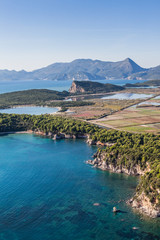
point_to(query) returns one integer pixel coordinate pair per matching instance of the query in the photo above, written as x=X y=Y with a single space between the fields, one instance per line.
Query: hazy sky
x=36 y=33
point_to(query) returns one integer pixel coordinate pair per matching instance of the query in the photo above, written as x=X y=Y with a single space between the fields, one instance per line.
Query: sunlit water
x=11 y=86
x=149 y=103
x=48 y=193
x=29 y=110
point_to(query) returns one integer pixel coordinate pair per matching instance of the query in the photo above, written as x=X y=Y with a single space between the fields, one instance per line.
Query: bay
x=48 y=192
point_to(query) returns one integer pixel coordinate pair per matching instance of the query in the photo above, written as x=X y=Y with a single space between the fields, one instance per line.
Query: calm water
x=29 y=110
x=128 y=96
x=149 y=103
x=47 y=193
x=53 y=85
x=158 y=97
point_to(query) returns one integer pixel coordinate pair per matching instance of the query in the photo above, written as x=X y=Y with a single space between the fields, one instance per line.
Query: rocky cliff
x=140 y=201
x=101 y=161
x=76 y=88
x=143 y=204
x=93 y=87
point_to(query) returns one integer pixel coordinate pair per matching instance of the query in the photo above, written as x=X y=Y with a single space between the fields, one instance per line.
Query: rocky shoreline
x=140 y=201
x=57 y=136
x=100 y=161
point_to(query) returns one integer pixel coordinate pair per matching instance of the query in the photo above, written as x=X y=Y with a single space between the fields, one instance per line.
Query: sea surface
x=11 y=86
x=47 y=192
x=29 y=110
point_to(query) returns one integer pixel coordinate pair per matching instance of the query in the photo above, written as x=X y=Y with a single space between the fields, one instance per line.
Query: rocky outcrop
x=98 y=143
x=91 y=142
x=57 y=136
x=75 y=88
x=143 y=204
x=140 y=201
x=93 y=87
x=41 y=133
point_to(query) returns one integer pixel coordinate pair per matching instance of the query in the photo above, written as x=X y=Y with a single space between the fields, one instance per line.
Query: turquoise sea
x=47 y=192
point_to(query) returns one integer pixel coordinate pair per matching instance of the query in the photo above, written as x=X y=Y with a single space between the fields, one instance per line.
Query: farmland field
x=133 y=119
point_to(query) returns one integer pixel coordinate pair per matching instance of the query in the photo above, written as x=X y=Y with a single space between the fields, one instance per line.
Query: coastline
x=139 y=202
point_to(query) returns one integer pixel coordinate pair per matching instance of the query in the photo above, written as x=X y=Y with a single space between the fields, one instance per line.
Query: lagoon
x=127 y=96
x=48 y=192
x=33 y=110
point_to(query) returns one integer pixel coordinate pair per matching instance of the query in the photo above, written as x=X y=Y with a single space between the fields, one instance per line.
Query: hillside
x=85 y=69
x=93 y=87
x=152 y=83
x=39 y=97
x=33 y=96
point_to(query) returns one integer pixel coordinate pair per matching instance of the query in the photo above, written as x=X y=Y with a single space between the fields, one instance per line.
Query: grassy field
x=143 y=129
x=109 y=107
x=134 y=120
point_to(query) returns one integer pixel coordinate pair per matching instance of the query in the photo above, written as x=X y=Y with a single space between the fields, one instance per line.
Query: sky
x=36 y=33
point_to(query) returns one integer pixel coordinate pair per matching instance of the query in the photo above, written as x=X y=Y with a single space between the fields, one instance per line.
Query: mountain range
x=86 y=69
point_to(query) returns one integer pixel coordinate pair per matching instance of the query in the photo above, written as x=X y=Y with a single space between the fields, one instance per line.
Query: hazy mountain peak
x=128 y=60
x=86 y=69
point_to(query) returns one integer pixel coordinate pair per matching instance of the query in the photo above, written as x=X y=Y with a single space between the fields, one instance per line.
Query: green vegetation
x=33 y=96
x=139 y=128
x=128 y=151
x=46 y=123
x=38 y=97
x=93 y=87
x=67 y=104
x=144 y=84
x=131 y=150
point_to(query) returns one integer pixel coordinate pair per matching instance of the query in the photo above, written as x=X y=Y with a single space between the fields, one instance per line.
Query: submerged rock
x=96 y=204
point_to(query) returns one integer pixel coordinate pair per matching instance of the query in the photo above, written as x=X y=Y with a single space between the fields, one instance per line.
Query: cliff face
x=143 y=204
x=101 y=161
x=61 y=135
x=93 y=87
x=75 y=88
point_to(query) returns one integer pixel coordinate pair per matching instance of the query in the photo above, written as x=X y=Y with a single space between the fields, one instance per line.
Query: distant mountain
x=93 y=87
x=86 y=69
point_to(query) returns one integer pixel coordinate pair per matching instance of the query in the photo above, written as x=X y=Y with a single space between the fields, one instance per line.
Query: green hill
x=93 y=87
